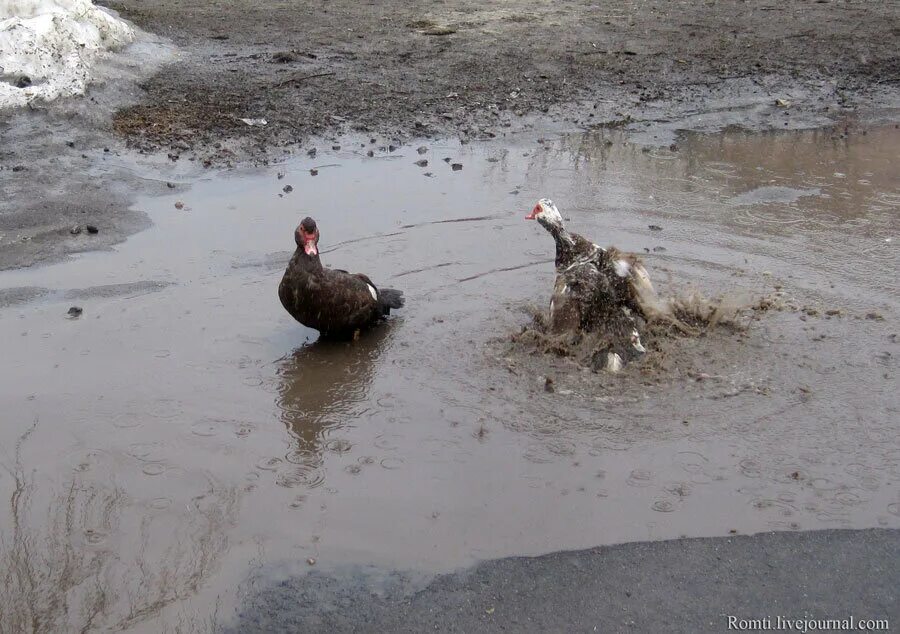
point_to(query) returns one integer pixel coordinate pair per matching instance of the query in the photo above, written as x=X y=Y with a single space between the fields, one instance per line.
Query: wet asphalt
x=686 y=585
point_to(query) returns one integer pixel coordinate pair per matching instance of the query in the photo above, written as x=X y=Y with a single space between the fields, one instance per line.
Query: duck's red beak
x=309 y=246
x=534 y=213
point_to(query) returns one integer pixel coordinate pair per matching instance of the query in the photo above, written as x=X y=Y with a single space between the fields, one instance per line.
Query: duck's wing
x=348 y=300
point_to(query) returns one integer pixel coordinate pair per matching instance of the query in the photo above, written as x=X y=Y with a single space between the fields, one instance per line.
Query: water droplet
x=663 y=506
x=160 y=504
x=269 y=464
x=154 y=468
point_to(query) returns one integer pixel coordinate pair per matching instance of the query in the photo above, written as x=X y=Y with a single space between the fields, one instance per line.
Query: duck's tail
x=389 y=298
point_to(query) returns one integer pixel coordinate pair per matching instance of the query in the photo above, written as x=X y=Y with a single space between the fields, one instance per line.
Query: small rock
x=70 y=143
x=311 y=152
x=447 y=159
x=314 y=172
x=673 y=148
x=456 y=166
x=179 y=205
x=392 y=148
x=75 y=311
x=370 y=153
x=75 y=230
x=170 y=185
x=335 y=147
x=428 y=174
x=284 y=57
x=311 y=561
x=422 y=149
x=439 y=30
x=875 y=316
x=23 y=82
x=659 y=249
x=280 y=175
x=287 y=189
x=548 y=385
x=91 y=229
x=422 y=163
x=19 y=168
x=654 y=227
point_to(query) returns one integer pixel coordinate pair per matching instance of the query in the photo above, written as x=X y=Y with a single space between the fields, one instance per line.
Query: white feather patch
x=622 y=268
x=636 y=342
x=373 y=292
x=613 y=362
x=551 y=306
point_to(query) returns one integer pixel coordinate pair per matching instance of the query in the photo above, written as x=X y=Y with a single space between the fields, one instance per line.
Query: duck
x=336 y=303
x=625 y=270
x=601 y=291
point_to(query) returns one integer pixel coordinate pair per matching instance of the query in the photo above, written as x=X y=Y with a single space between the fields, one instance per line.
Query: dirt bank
x=418 y=69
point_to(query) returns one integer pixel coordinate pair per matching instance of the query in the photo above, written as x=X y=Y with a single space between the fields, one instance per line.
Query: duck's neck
x=565 y=244
x=301 y=262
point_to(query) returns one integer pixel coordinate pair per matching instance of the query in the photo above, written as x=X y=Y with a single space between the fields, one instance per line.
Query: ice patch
x=48 y=48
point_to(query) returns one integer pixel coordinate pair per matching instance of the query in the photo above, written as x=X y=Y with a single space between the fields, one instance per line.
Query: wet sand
x=162 y=462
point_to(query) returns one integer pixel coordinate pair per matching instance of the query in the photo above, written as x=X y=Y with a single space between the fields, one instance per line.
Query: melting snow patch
x=48 y=47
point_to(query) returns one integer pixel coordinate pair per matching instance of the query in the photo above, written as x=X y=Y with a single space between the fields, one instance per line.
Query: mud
x=411 y=69
x=184 y=441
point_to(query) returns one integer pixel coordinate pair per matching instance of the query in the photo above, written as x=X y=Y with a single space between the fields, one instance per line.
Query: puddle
x=184 y=431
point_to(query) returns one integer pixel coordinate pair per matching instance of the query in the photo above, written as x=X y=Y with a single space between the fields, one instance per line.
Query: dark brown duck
x=332 y=301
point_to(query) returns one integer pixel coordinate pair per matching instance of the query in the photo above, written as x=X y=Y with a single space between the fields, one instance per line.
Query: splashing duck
x=336 y=303
x=601 y=291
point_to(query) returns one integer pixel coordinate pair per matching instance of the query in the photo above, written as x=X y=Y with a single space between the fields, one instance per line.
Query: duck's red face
x=307 y=236
x=534 y=212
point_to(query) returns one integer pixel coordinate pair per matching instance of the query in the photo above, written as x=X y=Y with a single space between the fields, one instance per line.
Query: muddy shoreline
x=172 y=108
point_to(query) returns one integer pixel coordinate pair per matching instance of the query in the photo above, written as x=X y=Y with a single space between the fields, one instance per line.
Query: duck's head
x=546 y=213
x=307 y=236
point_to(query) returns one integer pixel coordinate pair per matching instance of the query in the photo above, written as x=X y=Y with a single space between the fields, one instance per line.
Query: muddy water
x=162 y=452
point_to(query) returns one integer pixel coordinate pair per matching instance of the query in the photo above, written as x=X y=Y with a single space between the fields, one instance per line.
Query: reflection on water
x=189 y=435
x=323 y=387
x=85 y=555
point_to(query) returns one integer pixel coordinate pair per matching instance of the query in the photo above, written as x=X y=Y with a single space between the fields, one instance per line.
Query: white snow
x=55 y=43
